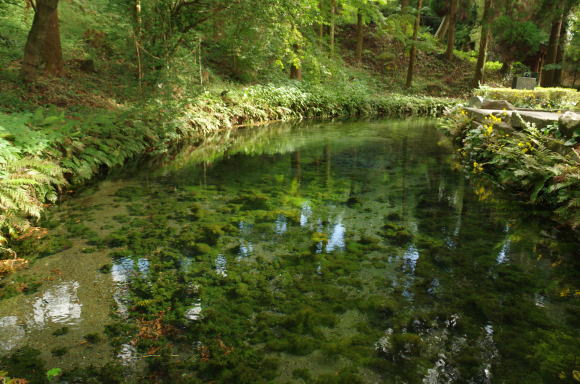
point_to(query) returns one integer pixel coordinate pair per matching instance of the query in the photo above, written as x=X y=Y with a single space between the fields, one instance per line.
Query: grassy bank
x=43 y=153
x=538 y=166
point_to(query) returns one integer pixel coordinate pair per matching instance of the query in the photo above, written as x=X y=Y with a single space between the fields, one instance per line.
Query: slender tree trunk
x=295 y=70
x=359 y=37
x=479 y=76
x=413 y=53
x=540 y=69
x=321 y=25
x=43 y=46
x=534 y=62
x=562 y=45
x=548 y=74
x=404 y=5
x=332 y=25
x=451 y=30
x=442 y=30
x=138 y=24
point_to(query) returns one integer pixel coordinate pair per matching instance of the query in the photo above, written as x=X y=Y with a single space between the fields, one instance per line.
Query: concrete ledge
x=540 y=118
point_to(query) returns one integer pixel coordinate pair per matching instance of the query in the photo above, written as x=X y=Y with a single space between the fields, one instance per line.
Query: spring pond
x=349 y=252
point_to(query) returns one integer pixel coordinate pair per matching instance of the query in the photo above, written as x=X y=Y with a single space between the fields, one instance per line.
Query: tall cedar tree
x=548 y=77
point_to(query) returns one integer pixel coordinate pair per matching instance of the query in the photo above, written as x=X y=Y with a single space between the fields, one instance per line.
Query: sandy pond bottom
x=320 y=253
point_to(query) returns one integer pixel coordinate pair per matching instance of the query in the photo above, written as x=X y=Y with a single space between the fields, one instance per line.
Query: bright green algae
x=332 y=253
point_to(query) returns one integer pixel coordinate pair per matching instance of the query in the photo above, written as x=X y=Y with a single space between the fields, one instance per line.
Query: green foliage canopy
x=517 y=39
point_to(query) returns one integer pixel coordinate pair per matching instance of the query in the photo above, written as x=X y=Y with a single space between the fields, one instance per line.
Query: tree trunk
x=43 y=49
x=413 y=53
x=332 y=25
x=138 y=30
x=540 y=69
x=548 y=74
x=295 y=70
x=321 y=25
x=451 y=31
x=562 y=45
x=359 y=38
x=505 y=68
x=479 y=76
x=442 y=30
x=404 y=5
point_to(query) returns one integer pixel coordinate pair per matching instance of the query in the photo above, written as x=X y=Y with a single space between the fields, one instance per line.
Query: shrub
x=549 y=98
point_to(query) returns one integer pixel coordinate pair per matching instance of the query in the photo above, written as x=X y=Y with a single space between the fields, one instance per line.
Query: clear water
x=315 y=253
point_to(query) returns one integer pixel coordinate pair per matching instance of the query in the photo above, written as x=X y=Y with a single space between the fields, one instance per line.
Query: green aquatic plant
x=92 y=338
x=59 y=351
x=61 y=331
x=397 y=234
x=25 y=363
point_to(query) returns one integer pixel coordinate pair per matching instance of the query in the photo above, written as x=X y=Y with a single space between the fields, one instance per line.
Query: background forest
x=114 y=50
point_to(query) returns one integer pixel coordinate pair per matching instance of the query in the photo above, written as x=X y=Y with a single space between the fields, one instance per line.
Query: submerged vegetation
x=225 y=274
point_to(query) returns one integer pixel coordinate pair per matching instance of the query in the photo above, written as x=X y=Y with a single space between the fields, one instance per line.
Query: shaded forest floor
x=110 y=83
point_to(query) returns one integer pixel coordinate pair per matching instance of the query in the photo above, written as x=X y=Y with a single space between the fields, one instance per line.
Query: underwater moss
x=25 y=363
x=406 y=344
x=397 y=234
x=115 y=240
x=61 y=331
x=225 y=281
x=303 y=374
x=202 y=249
x=252 y=201
x=59 y=352
x=92 y=338
x=210 y=233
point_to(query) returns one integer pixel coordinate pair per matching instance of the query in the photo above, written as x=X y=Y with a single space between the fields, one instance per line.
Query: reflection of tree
x=404 y=177
x=328 y=165
x=458 y=274
x=296 y=164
